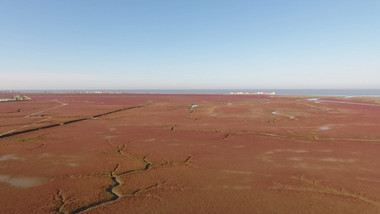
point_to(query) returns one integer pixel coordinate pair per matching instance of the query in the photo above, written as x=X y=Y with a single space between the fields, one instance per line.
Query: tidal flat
x=189 y=153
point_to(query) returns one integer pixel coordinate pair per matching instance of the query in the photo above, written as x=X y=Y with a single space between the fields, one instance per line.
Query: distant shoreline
x=297 y=92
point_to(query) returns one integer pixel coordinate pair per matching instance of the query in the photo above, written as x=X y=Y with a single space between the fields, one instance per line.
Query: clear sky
x=189 y=44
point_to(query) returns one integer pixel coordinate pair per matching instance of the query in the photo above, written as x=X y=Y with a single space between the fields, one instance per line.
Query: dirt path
x=36 y=115
x=15 y=132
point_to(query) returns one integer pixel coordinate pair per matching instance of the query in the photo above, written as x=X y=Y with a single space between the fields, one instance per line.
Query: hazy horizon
x=92 y=45
x=194 y=89
x=308 y=92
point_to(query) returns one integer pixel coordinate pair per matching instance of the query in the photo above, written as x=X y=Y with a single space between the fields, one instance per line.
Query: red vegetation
x=158 y=154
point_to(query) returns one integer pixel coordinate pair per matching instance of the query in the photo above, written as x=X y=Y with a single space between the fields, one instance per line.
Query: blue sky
x=183 y=44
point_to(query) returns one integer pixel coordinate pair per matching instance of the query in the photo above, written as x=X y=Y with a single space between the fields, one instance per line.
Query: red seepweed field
x=131 y=153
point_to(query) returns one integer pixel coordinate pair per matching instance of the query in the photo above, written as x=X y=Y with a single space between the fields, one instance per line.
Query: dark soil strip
x=227 y=135
x=109 y=189
x=61 y=202
x=75 y=121
x=68 y=122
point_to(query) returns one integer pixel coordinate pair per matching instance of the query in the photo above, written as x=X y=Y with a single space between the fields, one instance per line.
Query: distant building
x=16 y=98
x=254 y=93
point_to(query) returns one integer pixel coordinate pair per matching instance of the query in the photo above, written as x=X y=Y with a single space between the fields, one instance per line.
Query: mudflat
x=130 y=153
